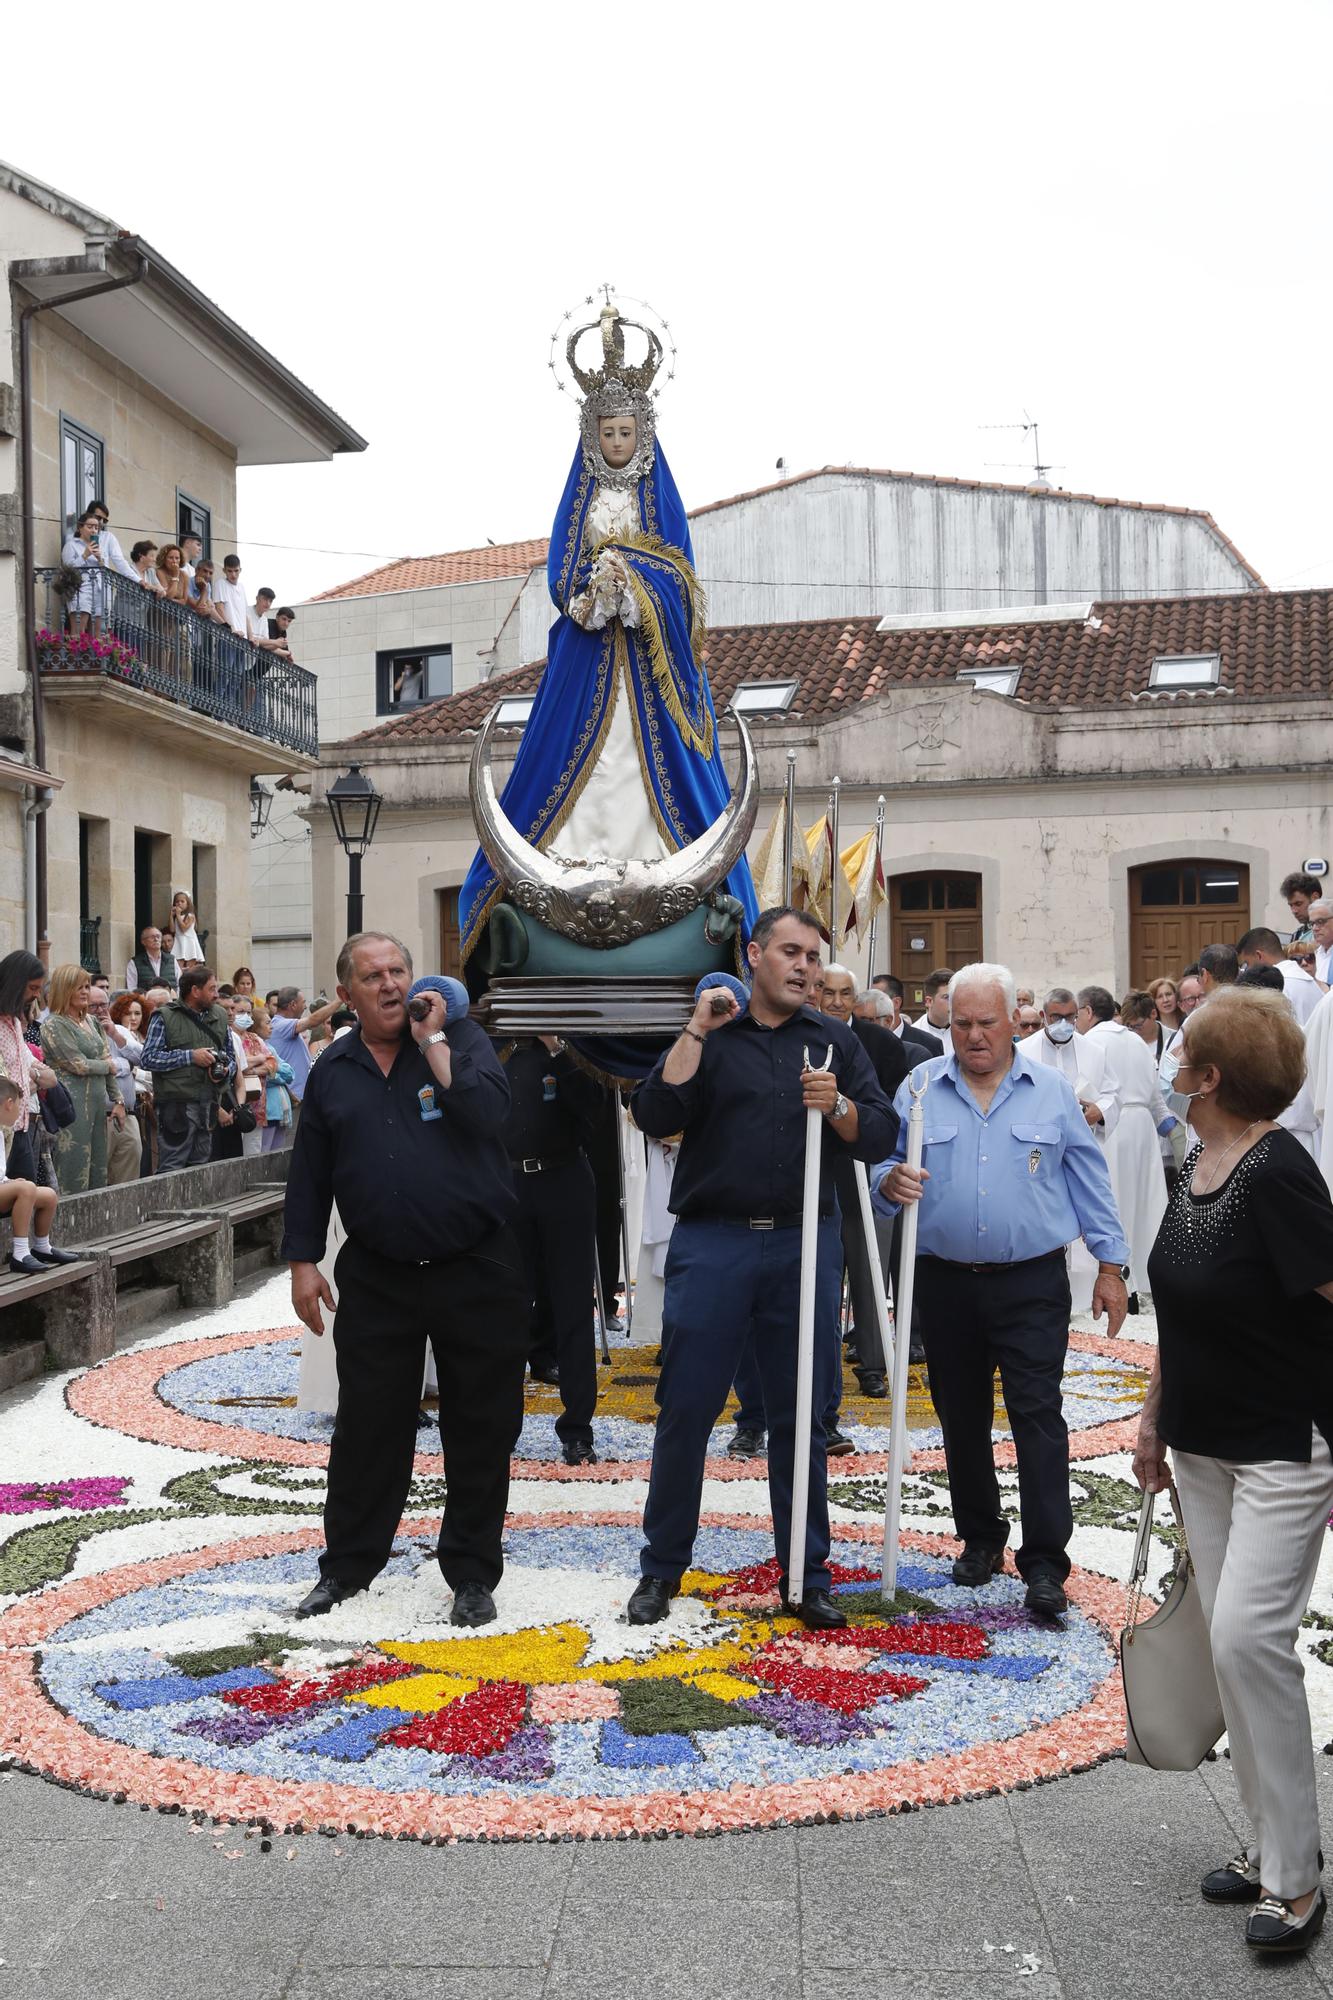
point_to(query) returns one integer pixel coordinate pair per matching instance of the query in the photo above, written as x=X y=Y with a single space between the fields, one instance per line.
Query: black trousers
x=602 y=1146
x=867 y=1347
x=1016 y=1320
x=473 y=1310
x=556 y=1230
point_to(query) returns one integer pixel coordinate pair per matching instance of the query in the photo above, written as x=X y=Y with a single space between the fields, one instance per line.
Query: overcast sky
x=875 y=230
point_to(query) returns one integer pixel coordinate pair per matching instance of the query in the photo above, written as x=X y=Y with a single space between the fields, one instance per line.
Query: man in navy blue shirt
x=1011 y=1174
x=404 y=1126
x=739 y=1086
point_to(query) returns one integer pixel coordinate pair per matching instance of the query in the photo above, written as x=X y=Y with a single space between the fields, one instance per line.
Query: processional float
x=611 y=878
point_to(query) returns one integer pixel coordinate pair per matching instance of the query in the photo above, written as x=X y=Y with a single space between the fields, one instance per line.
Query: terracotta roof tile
x=497 y=559
x=1271 y=643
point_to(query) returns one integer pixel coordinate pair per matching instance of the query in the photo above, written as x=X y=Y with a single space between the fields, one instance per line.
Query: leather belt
x=1016 y=1264
x=785 y=1219
x=534 y=1164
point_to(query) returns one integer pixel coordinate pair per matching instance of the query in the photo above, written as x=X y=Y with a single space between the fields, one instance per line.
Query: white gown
x=1303 y=993
x=1138 y=1181
x=1084 y=1066
x=658 y=1223
x=1319 y=1082
x=613 y=816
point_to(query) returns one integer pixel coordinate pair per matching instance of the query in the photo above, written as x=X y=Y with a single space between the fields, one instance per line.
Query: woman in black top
x=1242 y=1283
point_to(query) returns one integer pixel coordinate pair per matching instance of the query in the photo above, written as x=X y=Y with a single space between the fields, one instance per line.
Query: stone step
x=249 y=1263
x=138 y=1304
x=20 y=1361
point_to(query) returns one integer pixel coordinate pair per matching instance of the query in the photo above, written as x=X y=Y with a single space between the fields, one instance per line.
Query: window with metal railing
x=137 y=639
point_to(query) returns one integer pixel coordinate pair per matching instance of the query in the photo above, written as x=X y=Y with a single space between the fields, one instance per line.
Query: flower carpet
x=160 y=1518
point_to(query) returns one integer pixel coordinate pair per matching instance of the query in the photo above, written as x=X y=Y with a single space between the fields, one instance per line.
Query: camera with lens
x=219 y=1069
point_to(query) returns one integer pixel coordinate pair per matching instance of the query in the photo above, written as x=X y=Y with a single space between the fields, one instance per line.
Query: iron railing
x=126 y=633
x=89 y=927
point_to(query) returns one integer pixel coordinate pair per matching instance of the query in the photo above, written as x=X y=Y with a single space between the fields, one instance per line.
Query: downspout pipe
x=38 y=910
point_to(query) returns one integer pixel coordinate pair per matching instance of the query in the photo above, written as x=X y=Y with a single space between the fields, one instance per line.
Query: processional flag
x=769 y=869
x=862 y=866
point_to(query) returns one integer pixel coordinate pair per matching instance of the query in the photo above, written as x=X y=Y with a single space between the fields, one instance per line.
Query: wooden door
x=934 y=921
x=1177 y=907
x=451 y=957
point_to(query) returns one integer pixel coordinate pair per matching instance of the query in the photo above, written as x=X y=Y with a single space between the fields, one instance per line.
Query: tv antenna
x=1040 y=470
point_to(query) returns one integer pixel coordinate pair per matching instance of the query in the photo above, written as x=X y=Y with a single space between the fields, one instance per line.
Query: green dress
x=77 y=1052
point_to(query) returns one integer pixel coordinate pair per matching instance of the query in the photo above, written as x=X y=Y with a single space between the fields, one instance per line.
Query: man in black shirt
x=401 y=1124
x=739 y=1088
x=552 y=1106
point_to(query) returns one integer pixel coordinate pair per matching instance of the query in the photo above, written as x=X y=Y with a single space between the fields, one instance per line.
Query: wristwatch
x=429 y=1041
x=841 y=1106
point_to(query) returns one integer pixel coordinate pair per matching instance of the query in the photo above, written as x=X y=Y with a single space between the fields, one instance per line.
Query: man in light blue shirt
x=1011 y=1174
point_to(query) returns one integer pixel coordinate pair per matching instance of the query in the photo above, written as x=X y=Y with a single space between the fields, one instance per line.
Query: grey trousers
x=1255 y=1535
x=191 y=1135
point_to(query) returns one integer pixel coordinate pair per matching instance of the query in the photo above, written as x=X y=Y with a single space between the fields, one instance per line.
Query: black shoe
x=651 y=1601
x=28 y=1264
x=1274 y=1927
x=579 y=1453
x=916 y=1354
x=836 y=1443
x=976 y=1566
x=747 y=1444
x=615 y=1322
x=473 y=1605
x=1046 y=1594
x=1236 y=1882
x=54 y=1256
x=326 y=1593
x=545 y=1372
x=873 y=1384
x=816 y=1610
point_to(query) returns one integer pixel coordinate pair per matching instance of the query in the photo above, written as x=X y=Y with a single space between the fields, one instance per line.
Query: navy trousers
x=724 y=1282
x=1016 y=1320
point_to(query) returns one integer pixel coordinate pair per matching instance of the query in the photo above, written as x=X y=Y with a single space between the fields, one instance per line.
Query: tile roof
x=1274 y=645
x=497 y=559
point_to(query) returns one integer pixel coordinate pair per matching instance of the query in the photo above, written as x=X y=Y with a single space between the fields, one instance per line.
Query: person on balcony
x=229 y=598
x=75 y=1048
x=152 y=964
x=199 y=594
x=87 y=606
x=181 y=933
x=171 y=574
x=112 y=553
x=144 y=558
x=191 y=551
x=260 y=612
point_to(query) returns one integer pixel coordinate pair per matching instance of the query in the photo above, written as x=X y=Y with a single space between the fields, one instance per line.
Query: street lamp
x=354 y=806
x=261 y=804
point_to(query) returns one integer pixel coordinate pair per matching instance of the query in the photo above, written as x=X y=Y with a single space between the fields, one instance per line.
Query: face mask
x=1060 y=1031
x=242 y=1020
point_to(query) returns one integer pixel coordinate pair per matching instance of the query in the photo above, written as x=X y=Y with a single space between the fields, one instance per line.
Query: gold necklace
x=1212 y=1178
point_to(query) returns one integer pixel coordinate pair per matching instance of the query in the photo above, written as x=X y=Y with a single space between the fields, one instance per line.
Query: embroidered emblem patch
x=426 y=1099
x=1034 y=1160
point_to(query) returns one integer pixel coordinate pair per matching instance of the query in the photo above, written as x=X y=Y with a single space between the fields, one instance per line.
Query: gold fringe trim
x=650 y=633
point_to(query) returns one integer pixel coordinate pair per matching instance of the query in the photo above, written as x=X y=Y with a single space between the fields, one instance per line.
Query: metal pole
x=835 y=867
x=624 y=1215
x=876 y=1266
x=805 y=1350
x=789 y=829
x=354 y=903
x=902 y=1341
x=879 y=854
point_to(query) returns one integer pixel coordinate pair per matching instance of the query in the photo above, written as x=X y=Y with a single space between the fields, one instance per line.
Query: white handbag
x=1173 y=1712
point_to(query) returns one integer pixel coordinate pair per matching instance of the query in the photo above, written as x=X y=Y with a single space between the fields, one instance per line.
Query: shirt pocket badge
x=550 y=1086
x=1037 y=1139
x=426 y=1100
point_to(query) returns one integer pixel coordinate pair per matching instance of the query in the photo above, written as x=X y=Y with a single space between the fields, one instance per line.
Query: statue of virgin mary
x=619 y=760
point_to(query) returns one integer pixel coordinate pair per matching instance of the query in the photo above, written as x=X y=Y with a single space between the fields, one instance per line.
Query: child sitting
x=27 y=1204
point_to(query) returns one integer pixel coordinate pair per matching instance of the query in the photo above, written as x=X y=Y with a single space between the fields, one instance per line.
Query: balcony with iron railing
x=139 y=642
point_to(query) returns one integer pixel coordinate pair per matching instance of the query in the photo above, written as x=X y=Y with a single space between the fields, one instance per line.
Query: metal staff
x=917 y=1083
x=876 y=1267
x=624 y=1213
x=835 y=867
x=789 y=829
x=805 y=1347
x=880 y=804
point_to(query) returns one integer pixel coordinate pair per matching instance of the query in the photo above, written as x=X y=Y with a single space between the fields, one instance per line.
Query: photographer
x=189 y=1052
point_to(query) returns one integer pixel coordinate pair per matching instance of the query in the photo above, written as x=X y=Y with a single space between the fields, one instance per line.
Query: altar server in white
x=1132 y=1153
x=1084 y=1067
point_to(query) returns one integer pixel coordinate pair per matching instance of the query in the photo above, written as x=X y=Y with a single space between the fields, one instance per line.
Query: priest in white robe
x=1319 y=1082
x=1138 y=1179
x=1057 y=1046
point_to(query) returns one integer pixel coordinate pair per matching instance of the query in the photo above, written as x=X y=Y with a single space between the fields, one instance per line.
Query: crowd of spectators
x=178 y=572
x=172 y=1070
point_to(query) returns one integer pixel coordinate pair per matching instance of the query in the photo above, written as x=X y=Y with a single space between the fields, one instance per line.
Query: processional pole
x=805 y=1348
x=880 y=804
x=789 y=830
x=902 y=1341
x=835 y=865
